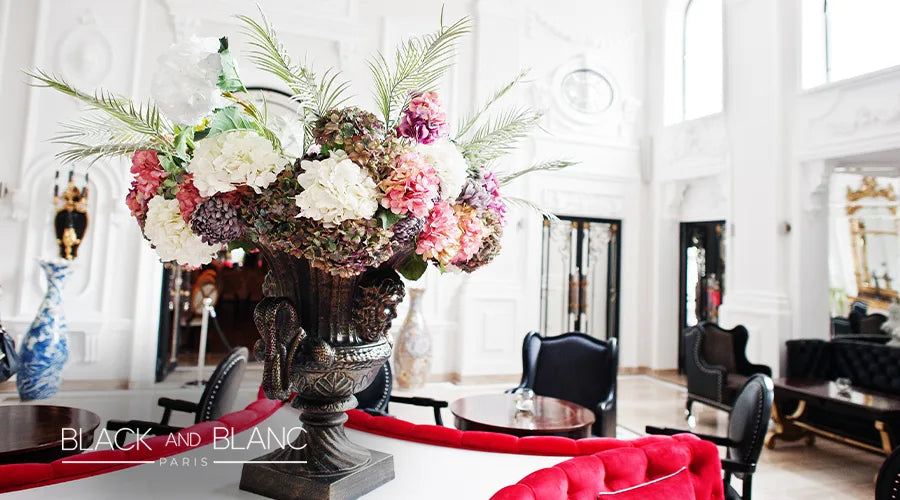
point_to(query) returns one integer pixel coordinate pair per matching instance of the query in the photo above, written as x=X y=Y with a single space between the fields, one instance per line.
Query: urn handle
x=278 y=323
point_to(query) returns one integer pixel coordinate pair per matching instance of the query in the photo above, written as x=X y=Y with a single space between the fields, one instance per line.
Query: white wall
x=478 y=321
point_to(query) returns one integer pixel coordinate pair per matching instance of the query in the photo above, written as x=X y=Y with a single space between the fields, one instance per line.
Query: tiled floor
x=792 y=471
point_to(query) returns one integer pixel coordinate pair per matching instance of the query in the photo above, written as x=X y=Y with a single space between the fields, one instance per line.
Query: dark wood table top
x=864 y=399
x=34 y=432
x=497 y=413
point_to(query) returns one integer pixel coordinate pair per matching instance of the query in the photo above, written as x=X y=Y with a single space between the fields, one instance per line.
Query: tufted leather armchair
x=888 y=482
x=574 y=367
x=716 y=365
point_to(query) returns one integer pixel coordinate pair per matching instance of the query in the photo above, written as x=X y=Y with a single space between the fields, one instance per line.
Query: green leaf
x=229 y=80
x=413 y=267
x=168 y=164
x=229 y=118
x=184 y=141
x=388 y=218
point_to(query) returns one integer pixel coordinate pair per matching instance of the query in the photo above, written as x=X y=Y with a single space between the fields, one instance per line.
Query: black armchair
x=574 y=367
x=716 y=366
x=747 y=427
x=374 y=399
x=217 y=399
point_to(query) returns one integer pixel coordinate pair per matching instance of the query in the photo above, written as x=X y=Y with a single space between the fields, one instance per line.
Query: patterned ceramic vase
x=45 y=348
x=413 y=349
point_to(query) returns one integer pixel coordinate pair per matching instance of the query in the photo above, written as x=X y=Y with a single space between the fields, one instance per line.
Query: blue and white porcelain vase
x=45 y=348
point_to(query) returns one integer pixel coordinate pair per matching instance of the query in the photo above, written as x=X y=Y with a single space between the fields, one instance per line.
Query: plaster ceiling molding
x=538 y=22
x=700 y=140
x=84 y=54
x=710 y=192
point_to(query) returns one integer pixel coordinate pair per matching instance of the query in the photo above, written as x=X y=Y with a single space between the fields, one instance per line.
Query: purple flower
x=424 y=119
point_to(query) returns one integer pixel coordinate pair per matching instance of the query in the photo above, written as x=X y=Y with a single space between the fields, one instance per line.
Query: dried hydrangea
x=439 y=239
x=472 y=232
x=216 y=221
x=411 y=186
x=223 y=162
x=270 y=217
x=346 y=249
x=171 y=237
x=336 y=189
x=358 y=132
x=424 y=119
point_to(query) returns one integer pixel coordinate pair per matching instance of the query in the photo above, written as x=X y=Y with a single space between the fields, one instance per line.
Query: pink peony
x=411 y=186
x=188 y=198
x=148 y=173
x=472 y=229
x=493 y=187
x=439 y=239
x=424 y=119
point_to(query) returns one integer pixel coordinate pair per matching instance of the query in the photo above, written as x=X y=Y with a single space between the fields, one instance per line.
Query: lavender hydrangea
x=475 y=194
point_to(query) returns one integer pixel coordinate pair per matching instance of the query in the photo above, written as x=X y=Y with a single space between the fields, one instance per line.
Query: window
x=847 y=38
x=694 y=67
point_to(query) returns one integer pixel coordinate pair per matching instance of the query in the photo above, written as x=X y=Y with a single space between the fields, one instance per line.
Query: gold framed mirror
x=875 y=238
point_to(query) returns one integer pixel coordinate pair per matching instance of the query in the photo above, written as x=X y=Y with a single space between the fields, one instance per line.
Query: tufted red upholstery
x=22 y=476
x=581 y=478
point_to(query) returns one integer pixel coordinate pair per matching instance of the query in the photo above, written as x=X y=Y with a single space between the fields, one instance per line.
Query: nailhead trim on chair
x=212 y=394
x=720 y=385
x=759 y=410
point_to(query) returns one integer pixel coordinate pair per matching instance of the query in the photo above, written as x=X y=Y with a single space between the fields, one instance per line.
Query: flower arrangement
x=402 y=188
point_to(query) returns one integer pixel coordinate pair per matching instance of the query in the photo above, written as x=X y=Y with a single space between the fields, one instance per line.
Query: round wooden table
x=34 y=433
x=497 y=413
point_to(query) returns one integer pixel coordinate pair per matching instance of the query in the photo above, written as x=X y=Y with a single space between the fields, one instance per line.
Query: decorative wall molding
x=84 y=53
x=700 y=141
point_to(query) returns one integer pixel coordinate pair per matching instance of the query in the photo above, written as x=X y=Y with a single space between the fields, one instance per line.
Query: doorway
x=701 y=276
x=580 y=275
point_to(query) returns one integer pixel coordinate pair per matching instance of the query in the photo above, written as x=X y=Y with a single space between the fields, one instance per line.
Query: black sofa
x=869 y=366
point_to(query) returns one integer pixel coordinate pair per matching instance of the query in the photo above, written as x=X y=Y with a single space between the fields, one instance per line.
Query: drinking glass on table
x=524 y=399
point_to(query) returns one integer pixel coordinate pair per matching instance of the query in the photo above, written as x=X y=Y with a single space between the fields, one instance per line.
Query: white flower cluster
x=238 y=157
x=449 y=164
x=336 y=189
x=184 y=84
x=172 y=237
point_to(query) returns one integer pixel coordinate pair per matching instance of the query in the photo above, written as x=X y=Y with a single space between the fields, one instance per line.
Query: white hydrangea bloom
x=239 y=157
x=336 y=189
x=449 y=164
x=172 y=237
x=184 y=84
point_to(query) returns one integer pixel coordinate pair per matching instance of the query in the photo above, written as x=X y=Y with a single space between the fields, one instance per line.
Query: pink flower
x=472 y=229
x=439 y=239
x=493 y=187
x=424 y=119
x=411 y=186
x=148 y=173
x=188 y=198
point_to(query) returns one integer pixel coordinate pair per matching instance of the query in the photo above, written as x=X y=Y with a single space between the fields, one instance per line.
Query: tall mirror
x=872 y=215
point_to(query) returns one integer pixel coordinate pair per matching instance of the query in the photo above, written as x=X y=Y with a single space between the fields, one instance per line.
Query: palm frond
x=143 y=118
x=98 y=128
x=530 y=205
x=472 y=118
x=259 y=117
x=498 y=136
x=544 y=166
x=76 y=151
x=419 y=64
x=316 y=96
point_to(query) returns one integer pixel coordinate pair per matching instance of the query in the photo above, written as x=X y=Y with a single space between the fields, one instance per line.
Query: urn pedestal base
x=275 y=481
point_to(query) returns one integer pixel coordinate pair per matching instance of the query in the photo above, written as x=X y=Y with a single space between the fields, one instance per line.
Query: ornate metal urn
x=324 y=337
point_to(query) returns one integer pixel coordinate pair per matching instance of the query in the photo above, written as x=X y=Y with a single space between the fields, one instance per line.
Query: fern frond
x=472 y=118
x=530 y=205
x=76 y=151
x=498 y=136
x=419 y=64
x=544 y=166
x=316 y=96
x=143 y=118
